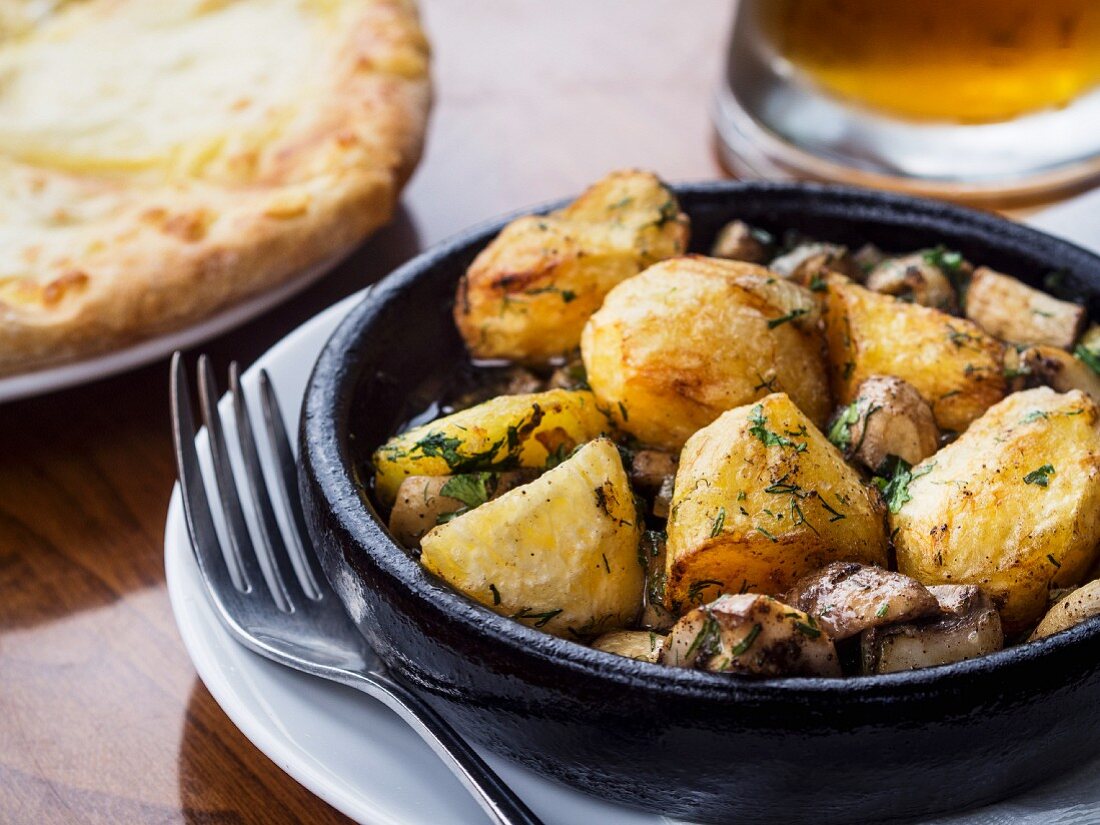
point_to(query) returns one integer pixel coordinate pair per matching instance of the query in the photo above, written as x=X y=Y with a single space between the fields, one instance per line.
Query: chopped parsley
x=1040 y=476
x=882 y=610
x=893 y=480
x=709 y=638
x=541 y=619
x=840 y=433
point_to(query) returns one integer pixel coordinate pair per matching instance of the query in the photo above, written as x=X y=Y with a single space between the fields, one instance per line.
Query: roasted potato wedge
x=504 y=433
x=888 y=417
x=559 y=554
x=847 y=598
x=761 y=499
x=752 y=635
x=644 y=645
x=1013 y=311
x=967 y=627
x=1083 y=603
x=528 y=294
x=1013 y=505
x=957 y=368
x=689 y=338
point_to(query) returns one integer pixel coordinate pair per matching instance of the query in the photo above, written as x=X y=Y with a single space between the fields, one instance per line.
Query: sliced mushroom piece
x=1045 y=366
x=867 y=257
x=848 y=598
x=914 y=278
x=650 y=468
x=634 y=644
x=752 y=635
x=888 y=417
x=662 y=501
x=738 y=241
x=1013 y=311
x=569 y=376
x=968 y=626
x=1083 y=603
x=655 y=616
x=808 y=263
x=426 y=501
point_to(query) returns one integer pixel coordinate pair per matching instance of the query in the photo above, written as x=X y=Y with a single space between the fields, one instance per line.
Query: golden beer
x=964 y=61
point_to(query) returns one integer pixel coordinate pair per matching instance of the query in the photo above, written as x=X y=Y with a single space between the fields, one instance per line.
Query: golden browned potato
x=528 y=294
x=504 y=433
x=967 y=627
x=559 y=554
x=888 y=417
x=689 y=338
x=761 y=499
x=644 y=645
x=751 y=635
x=957 y=368
x=847 y=598
x=1013 y=505
x=1013 y=311
x=425 y=501
x=1083 y=603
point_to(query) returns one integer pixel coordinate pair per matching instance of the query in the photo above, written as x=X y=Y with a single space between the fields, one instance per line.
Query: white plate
x=357 y=756
x=24 y=385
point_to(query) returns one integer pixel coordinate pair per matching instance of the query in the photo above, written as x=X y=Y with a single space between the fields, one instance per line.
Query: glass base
x=773 y=124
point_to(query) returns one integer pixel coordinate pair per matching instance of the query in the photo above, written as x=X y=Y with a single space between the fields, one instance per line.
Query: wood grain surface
x=102 y=718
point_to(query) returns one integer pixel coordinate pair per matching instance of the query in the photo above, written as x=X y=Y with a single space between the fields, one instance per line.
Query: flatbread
x=160 y=161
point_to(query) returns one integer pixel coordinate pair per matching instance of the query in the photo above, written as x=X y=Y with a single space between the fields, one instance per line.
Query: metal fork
x=272 y=595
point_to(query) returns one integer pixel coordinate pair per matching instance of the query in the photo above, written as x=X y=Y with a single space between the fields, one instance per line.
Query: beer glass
x=979 y=100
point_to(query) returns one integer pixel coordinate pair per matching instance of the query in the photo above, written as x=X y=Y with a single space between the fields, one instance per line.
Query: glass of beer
x=993 y=101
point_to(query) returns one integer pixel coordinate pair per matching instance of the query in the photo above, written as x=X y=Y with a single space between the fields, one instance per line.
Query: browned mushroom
x=634 y=644
x=425 y=501
x=848 y=598
x=753 y=635
x=738 y=241
x=914 y=278
x=808 y=263
x=650 y=468
x=1083 y=603
x=1013 y=311
x=888 y=417
x=1044 y=366
x=968 y=626
x=655 y=616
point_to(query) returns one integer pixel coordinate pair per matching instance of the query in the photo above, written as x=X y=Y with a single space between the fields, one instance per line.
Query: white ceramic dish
x=357 y=756
x=39 y=382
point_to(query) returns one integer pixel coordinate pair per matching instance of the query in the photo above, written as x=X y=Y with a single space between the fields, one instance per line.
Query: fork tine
x=283 y=577
x=241 y=557
x=196 y=505
x=286 y=477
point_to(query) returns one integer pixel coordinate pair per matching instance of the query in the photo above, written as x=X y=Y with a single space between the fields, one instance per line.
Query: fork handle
x=492 y=794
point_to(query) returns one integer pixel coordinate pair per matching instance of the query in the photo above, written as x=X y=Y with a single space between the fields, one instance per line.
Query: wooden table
x=102 y=718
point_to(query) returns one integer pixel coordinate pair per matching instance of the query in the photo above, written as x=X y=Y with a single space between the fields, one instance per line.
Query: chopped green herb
x=760 y=430
x=709 y=638
x=807 y=630
x=894 y=484
x=606 y=566
x=495 y=592
x=1035 y=415
x=747 y=642
x=840 y=433
x=623 y=412
x=798 y=312
x=849 y=368
x=1053 y=560
x=471 y=489
x=1091 y=359
x=542 y=618
x=836 y=515
x=695 y=592
x=719 y=522
x=817 y=284
x=883 y=609
x=1041 y=476
x=766 y=533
